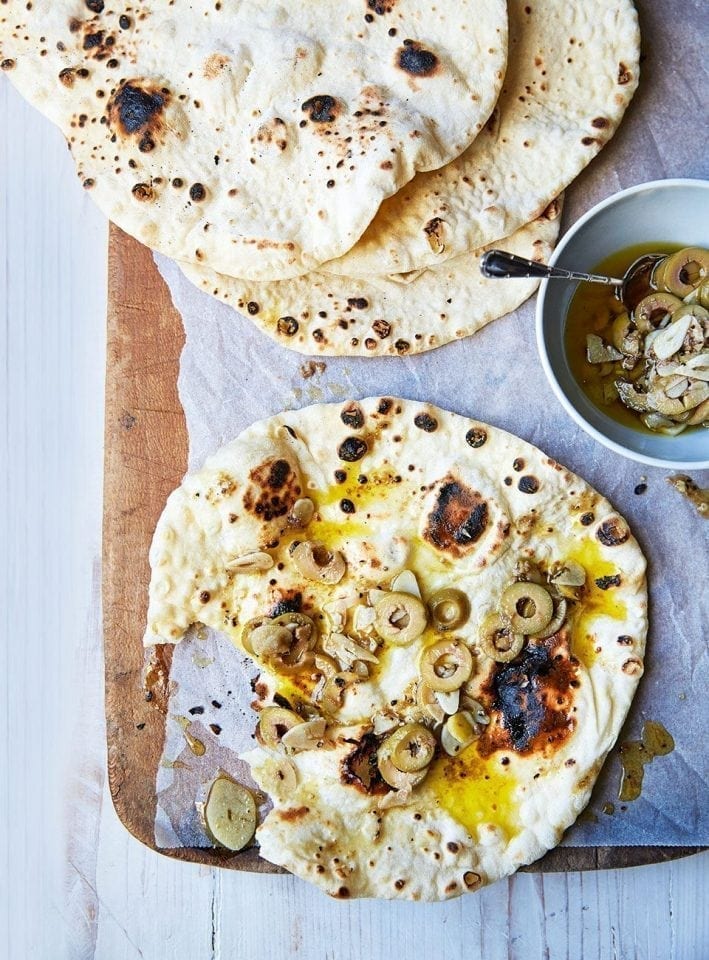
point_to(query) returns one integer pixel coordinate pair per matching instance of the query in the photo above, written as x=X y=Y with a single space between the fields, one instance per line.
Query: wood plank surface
x=145 y=458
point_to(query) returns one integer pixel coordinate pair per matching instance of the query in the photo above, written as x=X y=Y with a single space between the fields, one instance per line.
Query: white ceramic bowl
x=664 y=211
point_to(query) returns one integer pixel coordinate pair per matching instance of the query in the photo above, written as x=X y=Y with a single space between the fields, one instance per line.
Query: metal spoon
x=629 y=289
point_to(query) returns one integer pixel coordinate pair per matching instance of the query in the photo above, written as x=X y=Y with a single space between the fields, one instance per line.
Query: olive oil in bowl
x=594 y=309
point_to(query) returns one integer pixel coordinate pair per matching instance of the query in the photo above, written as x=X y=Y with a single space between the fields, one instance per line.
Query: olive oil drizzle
x=655 y=741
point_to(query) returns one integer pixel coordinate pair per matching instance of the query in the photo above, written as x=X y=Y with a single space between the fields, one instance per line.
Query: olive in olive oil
x=593 y=309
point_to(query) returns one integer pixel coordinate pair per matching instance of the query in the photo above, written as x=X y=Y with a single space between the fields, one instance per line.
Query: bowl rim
x=541 y=347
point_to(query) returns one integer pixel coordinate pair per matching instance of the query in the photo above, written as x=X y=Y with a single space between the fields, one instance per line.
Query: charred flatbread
x=359 y=553
x=259 y=138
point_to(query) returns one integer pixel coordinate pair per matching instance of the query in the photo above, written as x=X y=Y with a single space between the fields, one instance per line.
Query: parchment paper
x=232 y=375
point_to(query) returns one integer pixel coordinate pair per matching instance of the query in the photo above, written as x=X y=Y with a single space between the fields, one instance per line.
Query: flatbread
x=573 y=68
x=398 y=485
x=257 y=137
x=338 y=316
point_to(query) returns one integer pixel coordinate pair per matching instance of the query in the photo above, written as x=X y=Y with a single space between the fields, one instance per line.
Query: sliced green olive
x=620 y=330
x=450 y=609
x=653 y=308
x=446 y=665
x=273 y=723
x=497 y=639
x=685 y=270
x=229 y=814
x=527 y=606
x=391 y=774
x=412 y=747
x=399 y=618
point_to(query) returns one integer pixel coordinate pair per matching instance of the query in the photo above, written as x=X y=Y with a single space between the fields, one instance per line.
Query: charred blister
x=287 y=326
x=605 y=583
x=425 y=422
x=534 y=696
x=414 y=59
x=382 y=328
x=357 y=303
x=476 y=437
x=352 y=416
x=434 y=234
x=321 y=109
x=624 y=74
x=273 y=490
x=528 y=484
x=613 y=532
x=352 y=449
x=458 y=520
x=381 y=7
x=360 y=769
x=137 y=108
x=290 y=601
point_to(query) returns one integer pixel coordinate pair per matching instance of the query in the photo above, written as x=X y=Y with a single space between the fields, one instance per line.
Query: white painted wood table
x=73 y=883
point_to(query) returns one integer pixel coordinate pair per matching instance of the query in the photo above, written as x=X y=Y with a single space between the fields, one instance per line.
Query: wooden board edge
x=145 y=457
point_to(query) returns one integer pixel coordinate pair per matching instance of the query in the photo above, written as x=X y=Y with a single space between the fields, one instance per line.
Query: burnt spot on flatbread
x=476 y=437
x=352 y=449
x=273 y=490
x=605 y=583
x=587 y=519
x=382 y=328
x=384 y=405
x=624 y=74
x=8 y=64
x=528 y=484
x=381 y=7
x=415 y=60
x=352 y=416
x=533 y=699
x=287 y=326
x=322 y=108
x=458 y=520
x=290 y=601
x=425 y=422
x=613 y=532
x=137 y=110
x=359 y=768
x=434 y=232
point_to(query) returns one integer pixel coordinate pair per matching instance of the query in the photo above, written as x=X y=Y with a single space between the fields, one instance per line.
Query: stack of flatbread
x=333 y=169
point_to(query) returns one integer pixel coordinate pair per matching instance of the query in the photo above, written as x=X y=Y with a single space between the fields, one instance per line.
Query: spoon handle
x=499 y=264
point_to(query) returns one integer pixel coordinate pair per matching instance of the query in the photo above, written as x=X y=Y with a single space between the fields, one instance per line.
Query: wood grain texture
x=145 y=458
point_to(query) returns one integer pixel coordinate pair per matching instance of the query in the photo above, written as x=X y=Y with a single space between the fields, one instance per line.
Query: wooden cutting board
x=145 y=458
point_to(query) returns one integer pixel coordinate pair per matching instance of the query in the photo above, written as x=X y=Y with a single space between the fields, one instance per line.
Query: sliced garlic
x=449 y=701
x=255 y=562
x=305 y=736
x=406 y=582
